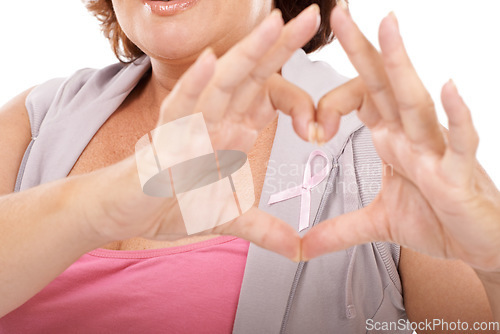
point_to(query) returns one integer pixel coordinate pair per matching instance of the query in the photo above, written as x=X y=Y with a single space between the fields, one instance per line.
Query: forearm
x=42 y=233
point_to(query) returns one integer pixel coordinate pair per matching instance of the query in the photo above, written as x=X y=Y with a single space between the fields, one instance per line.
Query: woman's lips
x=167 y=8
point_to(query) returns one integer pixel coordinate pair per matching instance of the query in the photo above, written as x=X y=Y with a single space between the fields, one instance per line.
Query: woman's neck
x=163 y=78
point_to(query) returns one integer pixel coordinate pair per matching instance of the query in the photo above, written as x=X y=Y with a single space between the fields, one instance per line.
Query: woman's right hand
x=238 y=95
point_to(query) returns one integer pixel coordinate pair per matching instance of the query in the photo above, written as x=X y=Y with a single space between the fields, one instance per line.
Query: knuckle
x=257 y=78
x=424 y=103
x=224 y=88
x=185 y=91
x=393 y=61
x=325 y=104
x=248 y=54
x=289 y=49
x=364 y=48
x=378 y=87
x=288 y=43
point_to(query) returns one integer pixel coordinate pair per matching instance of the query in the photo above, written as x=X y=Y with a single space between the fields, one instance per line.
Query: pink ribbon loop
x=304 y=190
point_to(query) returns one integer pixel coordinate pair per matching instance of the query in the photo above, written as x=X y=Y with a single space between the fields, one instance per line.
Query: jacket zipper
x=300 y=268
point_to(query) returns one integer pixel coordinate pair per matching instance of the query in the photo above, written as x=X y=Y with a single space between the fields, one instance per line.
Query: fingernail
x=206 y=54
x=394 y=19
x=312 y=133
x=297 y=259
x=320 y=135
x=452 y=83
x=276 y=12
x=302 y=257
x=342 y=4
x=305 y=14
x=314 y=7
x=318 y=21
x=454 y=86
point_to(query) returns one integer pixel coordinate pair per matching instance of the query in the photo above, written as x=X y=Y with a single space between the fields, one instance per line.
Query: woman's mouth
x=168 y=7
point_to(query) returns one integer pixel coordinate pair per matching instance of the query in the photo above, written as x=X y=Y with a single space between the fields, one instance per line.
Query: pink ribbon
x=304 y=190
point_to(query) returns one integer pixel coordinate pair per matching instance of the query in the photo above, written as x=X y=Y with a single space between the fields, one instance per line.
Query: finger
x=463 y=139
x=342 y=101
x=342 y=232
x=367 y=61
x=295 y=34
x=236 y=65
x=292 y=101
x=265 y=231
x=184 y=97
x=416 y=107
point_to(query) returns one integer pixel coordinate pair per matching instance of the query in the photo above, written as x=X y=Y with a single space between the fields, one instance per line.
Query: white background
x=446 y=39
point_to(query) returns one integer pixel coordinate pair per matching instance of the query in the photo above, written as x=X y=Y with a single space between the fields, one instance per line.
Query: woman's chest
x=113 y=142
x=116 y=140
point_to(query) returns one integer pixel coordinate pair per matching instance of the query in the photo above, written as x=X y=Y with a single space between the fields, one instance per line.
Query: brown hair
x=126 y=51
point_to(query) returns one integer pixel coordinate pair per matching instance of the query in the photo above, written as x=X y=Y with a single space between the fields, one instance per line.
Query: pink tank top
x=186 y=289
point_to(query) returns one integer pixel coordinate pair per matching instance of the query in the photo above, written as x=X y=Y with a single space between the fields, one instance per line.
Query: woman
x=123 y=286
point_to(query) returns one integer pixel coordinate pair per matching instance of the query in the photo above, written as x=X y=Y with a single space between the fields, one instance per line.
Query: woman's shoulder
x=90 y=81
x=14 y=138
x=82 y=87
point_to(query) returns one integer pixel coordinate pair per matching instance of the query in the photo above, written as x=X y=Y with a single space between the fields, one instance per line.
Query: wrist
x=111 y=203
x=82 y=195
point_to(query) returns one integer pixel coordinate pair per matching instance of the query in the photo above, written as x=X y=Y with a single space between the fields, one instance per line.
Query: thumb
x=354 y=228
x=293 y=101
x=265 y=231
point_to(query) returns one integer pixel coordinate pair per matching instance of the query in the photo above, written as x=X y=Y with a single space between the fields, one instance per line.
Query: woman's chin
x=175 y=54
x=171 y=45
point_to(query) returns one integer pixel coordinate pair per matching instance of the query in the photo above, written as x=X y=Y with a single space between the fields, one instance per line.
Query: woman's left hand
x=438 y=200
